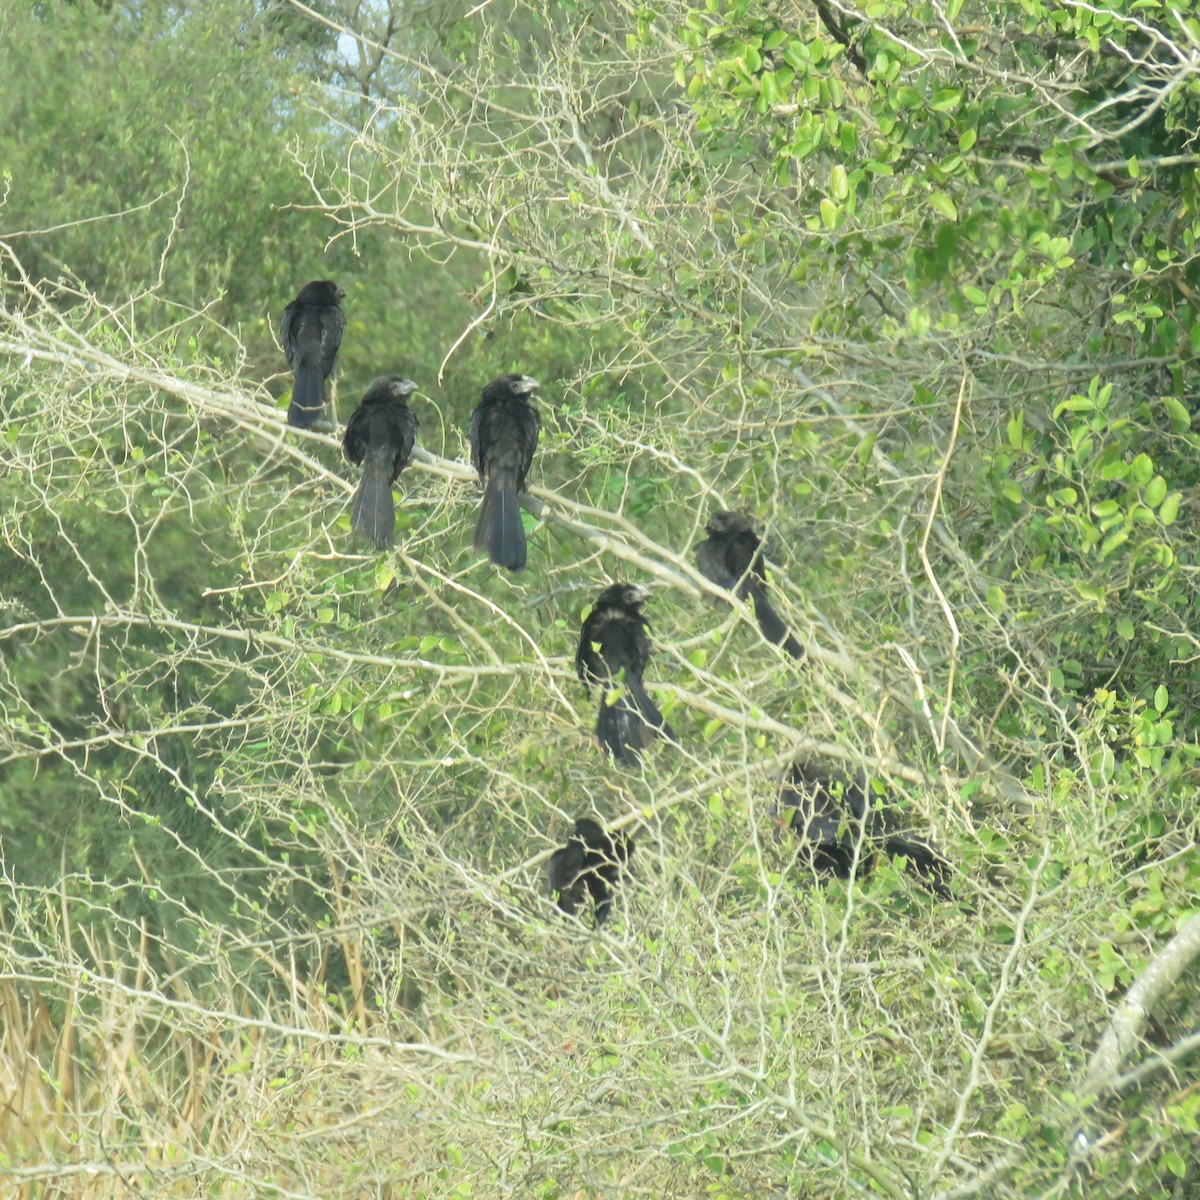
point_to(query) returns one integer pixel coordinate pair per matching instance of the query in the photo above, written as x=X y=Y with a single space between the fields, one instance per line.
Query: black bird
x=589 y=864
x=379 y=438
x=614 y=649
x=311 y=332
x=836 y=822
x=504 y=434
x=731 y=557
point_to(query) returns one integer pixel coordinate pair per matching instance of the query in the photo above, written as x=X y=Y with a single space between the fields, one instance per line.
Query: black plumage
x=614 y=649
x=588 y=865
x=311 y=332
x=837 y=822
x=379 y=438
x=731 y=557
x=504 y=435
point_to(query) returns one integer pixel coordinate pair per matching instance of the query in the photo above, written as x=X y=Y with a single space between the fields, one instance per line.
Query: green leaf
x=1156 y=491
x=829 y=212
x=967 y=139
x=943 y=205
x=1169 y=508
x=324 y=614
x=1113 y=542
x=1142 y=469
x=946 y=99
x=839 y=183
x=1016 y=428
x=1075 y=404
x=1160 y=699
x=974 y=294
x=1125 y=629
x=995 y=600
x=1181 y=419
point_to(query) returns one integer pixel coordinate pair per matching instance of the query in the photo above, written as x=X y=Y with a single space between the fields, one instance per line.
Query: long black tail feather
x=499 y=532
x=621 y=731
x=308 y=395
x=649 y=711
x=772 y=625
x=373 y=511
x=930 y=867
x=626 y=727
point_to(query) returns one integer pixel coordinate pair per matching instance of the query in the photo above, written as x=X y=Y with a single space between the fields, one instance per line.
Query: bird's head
x=505 y=386
x=625 y=595
x=523 y=385
x=389 y=389
x=590 y=832
x=398 y=386
x=320 y=291
x=724 y=522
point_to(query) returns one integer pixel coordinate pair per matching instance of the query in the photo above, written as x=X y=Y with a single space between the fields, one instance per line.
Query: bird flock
x=840 y=829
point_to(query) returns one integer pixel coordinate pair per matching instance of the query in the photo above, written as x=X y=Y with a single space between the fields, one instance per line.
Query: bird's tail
x=649 y=710
x=626 y=727
x=929 y=865
x=772 y=626
x=621 y=731
x=308 y=396
x=499 y=533
x=373 y=511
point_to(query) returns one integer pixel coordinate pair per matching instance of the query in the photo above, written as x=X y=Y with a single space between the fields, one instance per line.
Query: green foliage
x=148 y=146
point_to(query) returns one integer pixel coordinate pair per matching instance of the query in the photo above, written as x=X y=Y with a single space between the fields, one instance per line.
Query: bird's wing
x=333 y=321
x=474 y=435
x=531 y=428
x=355 y=439
x=711 y=559
x=287 y=333
x=402 y=426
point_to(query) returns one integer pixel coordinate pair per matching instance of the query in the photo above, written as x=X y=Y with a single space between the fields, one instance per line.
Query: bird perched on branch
x=614 y=648
x=588 y=865
x=731 y=557
x=504 y=435
x=379 y=438
x=837 y=824
x=311 y=332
